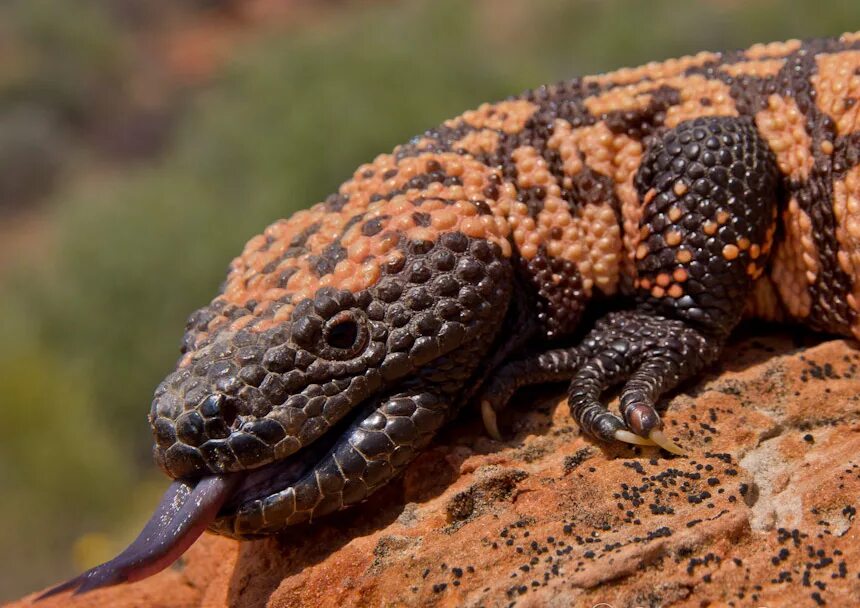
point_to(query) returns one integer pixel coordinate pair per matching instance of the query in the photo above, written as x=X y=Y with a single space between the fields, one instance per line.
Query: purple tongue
x=181 y=517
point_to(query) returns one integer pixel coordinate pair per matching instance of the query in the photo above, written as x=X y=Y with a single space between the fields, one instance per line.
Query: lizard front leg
x=709 y=201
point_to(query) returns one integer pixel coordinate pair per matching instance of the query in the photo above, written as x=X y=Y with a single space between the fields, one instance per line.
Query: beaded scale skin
x=679 y=196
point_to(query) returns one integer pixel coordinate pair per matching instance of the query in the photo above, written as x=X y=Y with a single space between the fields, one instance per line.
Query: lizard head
x=340 y=342
x=335 y=391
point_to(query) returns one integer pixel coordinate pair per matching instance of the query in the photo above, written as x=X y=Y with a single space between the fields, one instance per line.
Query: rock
x=762 y=509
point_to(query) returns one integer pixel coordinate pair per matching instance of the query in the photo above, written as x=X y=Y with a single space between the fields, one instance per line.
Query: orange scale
x=508 y=190
x=241 y=323
x=251 y=260
x=597 y=229
x=401 y=223
x=420 y=233
x=215 y=324
x=316 y=242
x=458 y=193
x=256 y=243
x=503 y=228
x=609 y=242
x=443 y=219
x=453 y=167
x=283 y=313
x=675 y=291
x=528 y=251
x=407 y=170
x=344 y=268
x=253 y=282
x=233 y=292
x=505 y=246
x=730 y=252
x=473 y=180
x=489 y=224
x=535 y=238
x=573 y=235
x=350 y=284
x=465 y=209
x=358 y=249
x=327 y=280
x=400 y=205
x=555 y=249
x=266 y=304
x=431 y=205
x=471 y=226
x=384 y=244
x=369 y=273
x=299 y=280
x=278 y=230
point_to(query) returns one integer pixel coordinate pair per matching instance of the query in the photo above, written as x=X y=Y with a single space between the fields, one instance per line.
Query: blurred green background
x=142 y=142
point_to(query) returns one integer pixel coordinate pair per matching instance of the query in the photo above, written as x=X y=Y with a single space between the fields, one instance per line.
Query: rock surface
x=761 y=512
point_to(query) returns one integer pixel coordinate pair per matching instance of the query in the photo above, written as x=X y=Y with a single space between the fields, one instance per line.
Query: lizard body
x=666 y=201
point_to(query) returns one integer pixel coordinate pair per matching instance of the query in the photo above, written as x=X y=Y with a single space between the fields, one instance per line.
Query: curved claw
x=488 y=414
x=628 y=437
x=664 y=442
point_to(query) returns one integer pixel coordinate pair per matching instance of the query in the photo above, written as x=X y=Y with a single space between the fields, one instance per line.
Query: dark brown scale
x=560 y=298
x=846 y=154
x=373 y=226
x=642 y=123
x=592 y=188
x=336 y=202
x=325 y=263
x=533 y=199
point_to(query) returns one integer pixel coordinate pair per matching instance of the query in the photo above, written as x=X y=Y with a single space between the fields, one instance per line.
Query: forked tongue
x=185 y=510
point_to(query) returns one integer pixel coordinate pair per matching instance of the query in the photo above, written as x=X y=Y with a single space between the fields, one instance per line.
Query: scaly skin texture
x=472 y=260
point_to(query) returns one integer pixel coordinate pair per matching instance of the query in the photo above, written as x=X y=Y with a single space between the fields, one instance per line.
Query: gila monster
x=608 y=230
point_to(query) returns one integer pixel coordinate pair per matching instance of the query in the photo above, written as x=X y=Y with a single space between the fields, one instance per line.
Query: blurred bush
x=94 y=315
x=54 y=72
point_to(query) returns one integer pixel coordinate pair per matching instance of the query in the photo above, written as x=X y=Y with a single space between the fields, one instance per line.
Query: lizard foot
x=648 y=355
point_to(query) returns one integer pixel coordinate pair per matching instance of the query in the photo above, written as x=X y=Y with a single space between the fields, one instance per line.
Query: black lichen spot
x=571 y=463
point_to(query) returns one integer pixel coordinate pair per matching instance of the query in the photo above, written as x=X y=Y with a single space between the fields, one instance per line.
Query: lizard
x=604 y=231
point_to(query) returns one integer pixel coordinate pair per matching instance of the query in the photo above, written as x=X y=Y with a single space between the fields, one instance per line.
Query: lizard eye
x=345 y=334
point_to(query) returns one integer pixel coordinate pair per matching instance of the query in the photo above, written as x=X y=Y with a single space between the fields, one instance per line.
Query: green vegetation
x=54 y=73
x=93 y=321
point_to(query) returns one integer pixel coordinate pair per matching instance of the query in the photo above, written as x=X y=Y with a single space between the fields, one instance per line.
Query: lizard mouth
x=276 y=495
x=242 y=504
